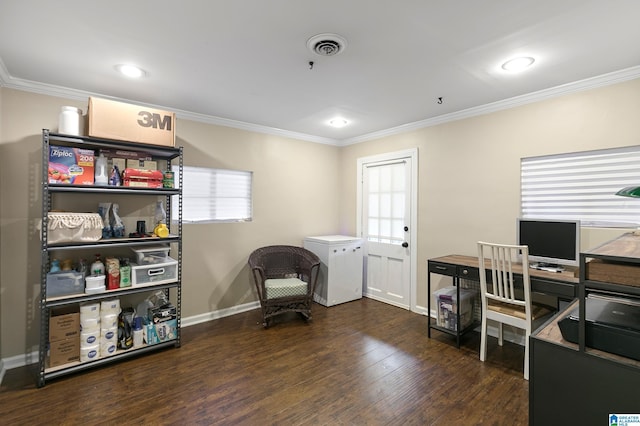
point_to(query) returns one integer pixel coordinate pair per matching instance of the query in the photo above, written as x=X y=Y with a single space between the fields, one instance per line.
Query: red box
x=73 y=166
x=142 y=178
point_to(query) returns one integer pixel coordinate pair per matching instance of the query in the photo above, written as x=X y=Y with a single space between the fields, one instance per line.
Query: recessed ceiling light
x=338 y=122
x=518 y=64
x=131 y=70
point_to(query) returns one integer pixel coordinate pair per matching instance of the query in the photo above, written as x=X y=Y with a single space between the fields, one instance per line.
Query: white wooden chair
x=501 y=301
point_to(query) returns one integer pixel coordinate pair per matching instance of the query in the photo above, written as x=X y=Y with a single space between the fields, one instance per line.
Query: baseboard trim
x=210 y=316
x=388 y=302
x=32 y=358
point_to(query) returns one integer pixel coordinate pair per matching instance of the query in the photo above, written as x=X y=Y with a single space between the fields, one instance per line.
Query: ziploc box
x=73 y=166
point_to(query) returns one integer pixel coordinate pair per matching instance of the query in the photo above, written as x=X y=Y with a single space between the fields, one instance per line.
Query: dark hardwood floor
x=359 y=363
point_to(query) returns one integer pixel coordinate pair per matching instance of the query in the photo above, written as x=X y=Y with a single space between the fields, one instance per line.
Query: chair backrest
x=497 y=262
x=281 y=260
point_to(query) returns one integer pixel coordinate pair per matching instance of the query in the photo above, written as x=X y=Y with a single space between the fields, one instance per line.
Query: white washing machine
x=340 y=276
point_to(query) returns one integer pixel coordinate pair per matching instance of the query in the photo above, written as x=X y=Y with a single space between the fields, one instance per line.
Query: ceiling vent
x=327 y=44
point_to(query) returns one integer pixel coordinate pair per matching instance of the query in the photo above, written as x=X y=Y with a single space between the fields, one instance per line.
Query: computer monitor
x=551 y=242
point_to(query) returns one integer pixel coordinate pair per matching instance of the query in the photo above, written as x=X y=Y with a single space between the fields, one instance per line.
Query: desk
x=563 y=285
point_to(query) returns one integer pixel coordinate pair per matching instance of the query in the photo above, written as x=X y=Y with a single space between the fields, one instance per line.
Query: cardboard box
x=64 y=324
x=121 y=163
x=73 y=166
x=161 y=332
x=141 y=165
x=142 y=178
x=613 y=272
x=64 y=351
x=126 y=155
x=121 y=121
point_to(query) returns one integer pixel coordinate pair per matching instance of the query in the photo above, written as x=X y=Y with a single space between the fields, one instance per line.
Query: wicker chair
x=285 y=277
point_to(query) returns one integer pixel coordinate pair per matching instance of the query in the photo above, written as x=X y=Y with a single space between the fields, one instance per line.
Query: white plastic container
x=94 y=282
x=138 y=338
x=101 y=176
x=89 y=353
x=101 y=289
x=70 y=121
x=157 y=273
x=151 y=255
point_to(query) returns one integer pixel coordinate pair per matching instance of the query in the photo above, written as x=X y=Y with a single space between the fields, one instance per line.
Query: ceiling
x=246 y=63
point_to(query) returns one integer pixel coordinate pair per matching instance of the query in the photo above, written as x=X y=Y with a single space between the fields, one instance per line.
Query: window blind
x=582 y=186
x=215 y=195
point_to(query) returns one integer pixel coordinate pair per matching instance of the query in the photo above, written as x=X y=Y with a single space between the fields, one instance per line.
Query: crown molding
x=6 y=80
x=553 y=92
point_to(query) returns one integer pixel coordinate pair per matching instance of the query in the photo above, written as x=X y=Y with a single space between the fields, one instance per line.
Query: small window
x=214 y=195
x=582 y=186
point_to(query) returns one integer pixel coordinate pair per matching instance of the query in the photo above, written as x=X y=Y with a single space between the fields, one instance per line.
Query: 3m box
x=73 y=166
x=64 y=351
x=64 y=323
x=121 y=121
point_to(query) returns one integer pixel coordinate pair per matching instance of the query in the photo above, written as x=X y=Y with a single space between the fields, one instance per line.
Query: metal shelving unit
x=170 y=156
x=593 y=382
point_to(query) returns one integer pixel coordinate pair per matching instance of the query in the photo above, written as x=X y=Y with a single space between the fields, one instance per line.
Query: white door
x=387 y=222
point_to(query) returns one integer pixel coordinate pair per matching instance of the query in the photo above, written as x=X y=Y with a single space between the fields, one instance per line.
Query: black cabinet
x=572 y=383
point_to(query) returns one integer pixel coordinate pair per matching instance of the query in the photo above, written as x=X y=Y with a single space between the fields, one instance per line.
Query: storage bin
x=158 y=273
x=151 y=255
x=64 y=283
x=447 y=305
x=67 y=227
x=94 y=282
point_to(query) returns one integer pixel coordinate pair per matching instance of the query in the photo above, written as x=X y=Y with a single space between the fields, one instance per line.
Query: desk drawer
x=442 y=268
x=468 y=273
x=555 y=288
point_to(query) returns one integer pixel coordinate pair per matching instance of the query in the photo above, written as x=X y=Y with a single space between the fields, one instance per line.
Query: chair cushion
x=537 y=311
x=284 y=287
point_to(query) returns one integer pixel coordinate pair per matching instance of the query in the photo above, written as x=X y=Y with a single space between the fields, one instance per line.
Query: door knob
x=405 y=244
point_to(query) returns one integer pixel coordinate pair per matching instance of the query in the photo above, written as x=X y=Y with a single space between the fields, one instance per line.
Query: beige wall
x=295 y=187
x=469 y=170
x=302 y=188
